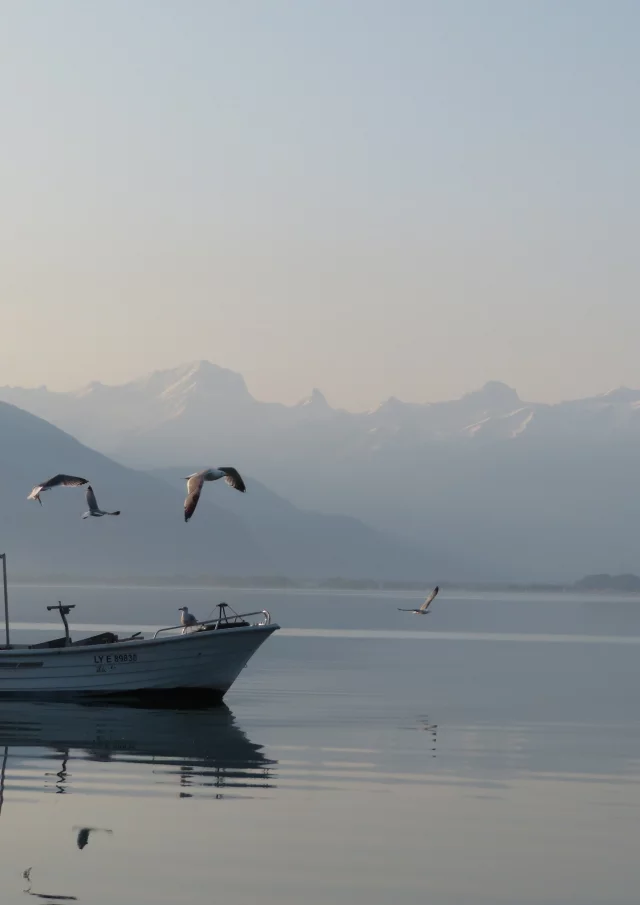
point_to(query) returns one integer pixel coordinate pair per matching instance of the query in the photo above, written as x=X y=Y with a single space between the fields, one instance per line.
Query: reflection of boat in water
x=50 y=747
x=199 y=746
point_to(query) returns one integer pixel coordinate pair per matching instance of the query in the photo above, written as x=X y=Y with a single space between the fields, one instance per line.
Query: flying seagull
x=424 y=609
x=195 y=482
x=187 y=619
x=94 y=509
x=60 y=480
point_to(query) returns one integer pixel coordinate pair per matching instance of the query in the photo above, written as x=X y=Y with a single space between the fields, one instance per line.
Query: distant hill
x=604 y=582
x=148 y=538
x=256 y=533
x=301 y=543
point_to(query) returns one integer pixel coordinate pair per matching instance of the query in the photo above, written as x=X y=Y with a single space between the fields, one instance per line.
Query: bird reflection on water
x=48 y=897
x=60 y=775
x=432 y=728
x=84 y=832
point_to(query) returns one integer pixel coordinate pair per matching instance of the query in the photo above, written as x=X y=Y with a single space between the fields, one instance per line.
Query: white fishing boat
x=206 y=658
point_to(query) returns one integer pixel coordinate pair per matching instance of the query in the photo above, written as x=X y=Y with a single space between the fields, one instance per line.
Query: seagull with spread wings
x=196 y=481
x=59 y=480
x=424 y=609
x=94 y=509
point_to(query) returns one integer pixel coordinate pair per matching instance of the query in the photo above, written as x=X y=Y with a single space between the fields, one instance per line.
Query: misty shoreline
x=588 y=585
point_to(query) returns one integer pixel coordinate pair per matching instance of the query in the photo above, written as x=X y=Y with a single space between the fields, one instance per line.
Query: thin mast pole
x=6 y=595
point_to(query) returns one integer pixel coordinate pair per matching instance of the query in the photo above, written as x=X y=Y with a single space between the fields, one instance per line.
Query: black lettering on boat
x=112 y=661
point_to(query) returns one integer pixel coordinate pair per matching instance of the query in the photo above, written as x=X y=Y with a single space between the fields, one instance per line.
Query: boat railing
x=237 y=619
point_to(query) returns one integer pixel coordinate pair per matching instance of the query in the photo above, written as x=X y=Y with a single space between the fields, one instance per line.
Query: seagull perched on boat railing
x=94 y=509
x=59 y=480
x=187 y=619
x=424 y=609
x=195 y=482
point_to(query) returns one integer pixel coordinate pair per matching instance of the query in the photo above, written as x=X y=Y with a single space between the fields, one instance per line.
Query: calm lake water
x=487 y=753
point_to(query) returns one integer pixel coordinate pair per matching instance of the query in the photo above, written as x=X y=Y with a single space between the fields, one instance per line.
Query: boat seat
x=55 y=642
x=104 y=638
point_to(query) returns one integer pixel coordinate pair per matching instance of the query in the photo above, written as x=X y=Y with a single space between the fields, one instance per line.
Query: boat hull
x=206 y=662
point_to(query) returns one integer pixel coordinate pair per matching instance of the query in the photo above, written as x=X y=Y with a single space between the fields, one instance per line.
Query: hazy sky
x=374 y=197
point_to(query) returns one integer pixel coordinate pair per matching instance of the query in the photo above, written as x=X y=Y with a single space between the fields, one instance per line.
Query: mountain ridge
x=494 y=487
x=150 y=536
x=170 y=393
